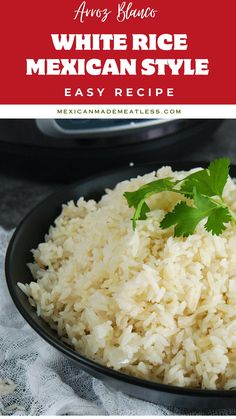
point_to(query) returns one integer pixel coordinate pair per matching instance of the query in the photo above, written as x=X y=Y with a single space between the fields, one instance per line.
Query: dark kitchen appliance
x=32 y=231
x=71 y=148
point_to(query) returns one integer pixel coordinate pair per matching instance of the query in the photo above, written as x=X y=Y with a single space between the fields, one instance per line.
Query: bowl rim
x=69 y=351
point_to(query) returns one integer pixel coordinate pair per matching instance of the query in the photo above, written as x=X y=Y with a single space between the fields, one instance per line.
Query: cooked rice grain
x=145 y=303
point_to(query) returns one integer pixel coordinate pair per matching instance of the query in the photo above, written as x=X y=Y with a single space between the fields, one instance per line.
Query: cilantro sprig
x=204 y=187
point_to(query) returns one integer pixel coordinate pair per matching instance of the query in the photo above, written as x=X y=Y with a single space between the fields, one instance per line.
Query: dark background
x=20 y=192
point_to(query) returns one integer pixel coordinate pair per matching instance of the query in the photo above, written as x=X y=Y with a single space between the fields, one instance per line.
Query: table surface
x=19 y=194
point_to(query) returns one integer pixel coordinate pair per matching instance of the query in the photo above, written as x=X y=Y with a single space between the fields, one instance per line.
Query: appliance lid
x=98 y=132
x=62 y=128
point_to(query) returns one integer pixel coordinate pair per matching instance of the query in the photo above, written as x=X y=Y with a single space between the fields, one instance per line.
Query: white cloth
x=46 y=382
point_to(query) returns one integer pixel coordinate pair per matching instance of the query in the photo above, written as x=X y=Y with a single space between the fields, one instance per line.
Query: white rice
x=145 y=303
x=7 y=387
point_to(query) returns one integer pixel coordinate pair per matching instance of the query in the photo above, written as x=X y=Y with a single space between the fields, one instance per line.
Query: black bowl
x=31 y=232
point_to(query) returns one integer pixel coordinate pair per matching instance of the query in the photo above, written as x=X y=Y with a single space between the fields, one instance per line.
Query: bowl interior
x=31 y=232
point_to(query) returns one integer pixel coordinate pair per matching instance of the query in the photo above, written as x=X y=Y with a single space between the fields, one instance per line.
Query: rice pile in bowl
x=142 y=302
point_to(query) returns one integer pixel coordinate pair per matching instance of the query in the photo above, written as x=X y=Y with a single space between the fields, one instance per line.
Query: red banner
x=149 y=52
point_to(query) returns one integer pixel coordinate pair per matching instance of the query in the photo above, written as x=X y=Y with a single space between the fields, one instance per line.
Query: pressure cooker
x=68 y=148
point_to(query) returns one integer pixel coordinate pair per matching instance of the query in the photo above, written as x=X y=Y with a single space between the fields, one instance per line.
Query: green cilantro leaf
x=149 y=189
x=217 y=219
x=210 y=181
x=137 y=198
x=186 y=218
x=204 y=187
x=140 y=213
